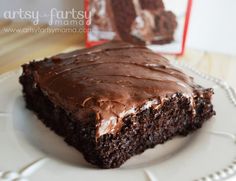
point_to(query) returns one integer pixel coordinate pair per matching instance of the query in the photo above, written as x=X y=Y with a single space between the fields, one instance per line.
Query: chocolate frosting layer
x=110 y=81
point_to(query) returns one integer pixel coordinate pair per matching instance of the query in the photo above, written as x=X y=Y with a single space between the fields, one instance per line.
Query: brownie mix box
x=161 y=25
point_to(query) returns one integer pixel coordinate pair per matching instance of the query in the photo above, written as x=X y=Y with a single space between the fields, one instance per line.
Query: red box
x=161 y=25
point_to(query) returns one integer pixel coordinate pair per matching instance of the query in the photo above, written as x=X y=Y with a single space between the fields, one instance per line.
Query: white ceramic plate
x=30 y=151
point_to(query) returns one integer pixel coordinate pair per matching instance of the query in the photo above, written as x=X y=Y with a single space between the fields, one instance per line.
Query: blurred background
x=210 y=44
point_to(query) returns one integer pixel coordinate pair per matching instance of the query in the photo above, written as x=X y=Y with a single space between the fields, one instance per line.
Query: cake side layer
x=122 y=14
x=138 y=133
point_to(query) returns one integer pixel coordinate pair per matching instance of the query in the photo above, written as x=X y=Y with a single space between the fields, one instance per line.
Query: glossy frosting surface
x=111 y=80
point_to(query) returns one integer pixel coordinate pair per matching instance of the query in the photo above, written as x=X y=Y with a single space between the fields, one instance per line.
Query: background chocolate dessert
x=134 y=21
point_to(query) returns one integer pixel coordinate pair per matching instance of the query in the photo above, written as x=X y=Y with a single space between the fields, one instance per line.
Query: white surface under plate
x=30 y=151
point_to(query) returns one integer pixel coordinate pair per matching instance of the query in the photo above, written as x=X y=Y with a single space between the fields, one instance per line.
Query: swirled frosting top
x=109 y=81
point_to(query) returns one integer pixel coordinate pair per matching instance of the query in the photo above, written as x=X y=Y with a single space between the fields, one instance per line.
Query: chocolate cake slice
x=115 y=100
x=134 y=21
